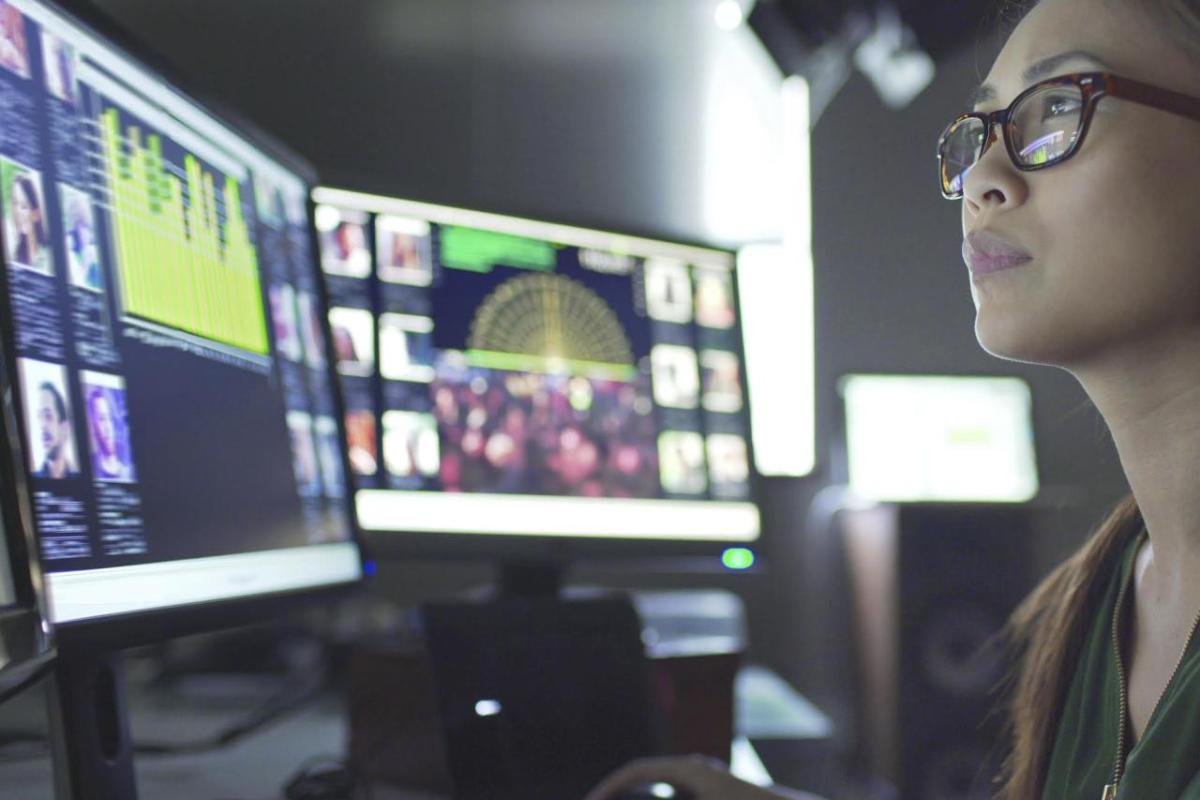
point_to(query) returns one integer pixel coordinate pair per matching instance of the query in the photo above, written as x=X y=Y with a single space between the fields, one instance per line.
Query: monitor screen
x=504 y=376
x=179 y=421
x=916 y=438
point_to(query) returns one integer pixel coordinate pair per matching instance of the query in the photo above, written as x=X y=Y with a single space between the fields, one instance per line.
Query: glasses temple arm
x=1153 y=96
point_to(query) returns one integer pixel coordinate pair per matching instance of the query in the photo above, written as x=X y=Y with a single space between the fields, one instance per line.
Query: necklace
x=1110 y=791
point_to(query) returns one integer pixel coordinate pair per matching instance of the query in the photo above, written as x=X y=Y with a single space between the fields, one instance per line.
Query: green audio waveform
x=175 y=267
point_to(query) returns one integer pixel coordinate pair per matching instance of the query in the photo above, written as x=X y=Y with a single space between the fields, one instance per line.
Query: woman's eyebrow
x=1042 y=68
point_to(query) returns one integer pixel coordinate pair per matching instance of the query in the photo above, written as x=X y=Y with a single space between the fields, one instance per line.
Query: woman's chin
x=1015 y=340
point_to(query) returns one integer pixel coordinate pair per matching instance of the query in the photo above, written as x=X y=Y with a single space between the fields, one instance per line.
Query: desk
x=258 y=766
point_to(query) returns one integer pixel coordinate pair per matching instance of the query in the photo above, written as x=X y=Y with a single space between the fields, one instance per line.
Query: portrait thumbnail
x=410 y=444
x=353 y=332
x=60 y=64
x=343 y=238
x=721 y=376
x=403 y=250
x=681 y=462
x=295 y=206
x=268 y=202
x=675 y=375
x=728 y=461
x=310 y=329
x=360 y=442
x=26 y=226
x=714 y=297
x=48 y=420
x=108 y=427
x=14 y=52
x=406 y=348
x=668 y=290
x=283 y=320
x=329 y=457
x=304 y=454
x=79 y=238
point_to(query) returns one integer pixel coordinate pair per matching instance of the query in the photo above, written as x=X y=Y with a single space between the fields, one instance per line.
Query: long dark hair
x=1048 y=630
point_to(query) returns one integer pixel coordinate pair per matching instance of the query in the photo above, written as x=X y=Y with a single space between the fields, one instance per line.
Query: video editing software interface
x=505 y=376
x=181 y=442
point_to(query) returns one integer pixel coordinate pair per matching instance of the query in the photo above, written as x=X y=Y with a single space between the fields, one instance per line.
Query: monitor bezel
x=24 y=632
x=116 y=632
x=643 y=553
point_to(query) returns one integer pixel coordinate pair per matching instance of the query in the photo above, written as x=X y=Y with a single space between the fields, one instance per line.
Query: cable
x=324 y=778
x=27 y=682
x=11 y=740
x=286 y=700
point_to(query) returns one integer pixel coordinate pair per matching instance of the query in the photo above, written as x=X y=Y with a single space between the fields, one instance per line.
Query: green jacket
x=1165 y=762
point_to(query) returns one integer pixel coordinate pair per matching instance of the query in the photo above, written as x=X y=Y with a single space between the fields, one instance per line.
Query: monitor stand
x=90 y=741
x=530 y=580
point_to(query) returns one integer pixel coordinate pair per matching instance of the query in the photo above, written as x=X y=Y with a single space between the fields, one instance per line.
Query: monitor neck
x=530 y=579
x=92 y=749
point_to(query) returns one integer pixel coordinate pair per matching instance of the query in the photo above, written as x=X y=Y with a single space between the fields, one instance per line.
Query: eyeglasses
x=1045 y=125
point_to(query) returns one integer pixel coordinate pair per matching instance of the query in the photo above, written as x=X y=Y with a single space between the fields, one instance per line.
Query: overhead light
x=893 y=61
x=729 y=15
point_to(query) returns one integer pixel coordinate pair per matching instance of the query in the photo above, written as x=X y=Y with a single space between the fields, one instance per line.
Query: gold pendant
x=1110 y=792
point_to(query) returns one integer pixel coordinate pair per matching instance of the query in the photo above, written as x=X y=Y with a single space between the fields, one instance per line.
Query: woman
x=108 y=461
x=1081 y=235
x=30 y=246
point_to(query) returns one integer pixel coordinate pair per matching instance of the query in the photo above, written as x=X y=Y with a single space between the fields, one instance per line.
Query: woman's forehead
x=1123 y=34
x=1057 y=26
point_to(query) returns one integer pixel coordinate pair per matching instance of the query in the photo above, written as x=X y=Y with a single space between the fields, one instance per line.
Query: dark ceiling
x=942 y=27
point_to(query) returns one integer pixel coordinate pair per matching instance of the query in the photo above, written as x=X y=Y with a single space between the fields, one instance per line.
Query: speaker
x=932 y=585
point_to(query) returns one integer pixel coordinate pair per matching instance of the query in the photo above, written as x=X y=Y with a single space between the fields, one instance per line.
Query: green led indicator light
x=738 y=558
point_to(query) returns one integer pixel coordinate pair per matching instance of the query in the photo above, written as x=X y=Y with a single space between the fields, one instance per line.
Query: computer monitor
x=516 y=387
x=939 y=438
x=179 y=430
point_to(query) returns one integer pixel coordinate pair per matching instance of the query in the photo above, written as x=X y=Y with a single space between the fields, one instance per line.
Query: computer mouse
x=654 y=791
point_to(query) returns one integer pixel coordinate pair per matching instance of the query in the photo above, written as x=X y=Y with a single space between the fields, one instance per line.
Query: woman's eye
x=1059 y=106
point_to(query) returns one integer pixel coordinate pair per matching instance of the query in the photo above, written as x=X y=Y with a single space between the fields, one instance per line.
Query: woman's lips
x=985 y=253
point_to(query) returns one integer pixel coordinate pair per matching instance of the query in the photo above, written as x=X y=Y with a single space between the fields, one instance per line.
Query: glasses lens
x=1045 y=125
x=961 y=145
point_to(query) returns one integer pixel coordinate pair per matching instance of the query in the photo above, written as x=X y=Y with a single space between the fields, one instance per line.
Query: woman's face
x=1112 y=233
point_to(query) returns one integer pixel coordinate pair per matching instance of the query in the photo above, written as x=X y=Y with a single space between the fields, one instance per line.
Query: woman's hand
x=704 y=778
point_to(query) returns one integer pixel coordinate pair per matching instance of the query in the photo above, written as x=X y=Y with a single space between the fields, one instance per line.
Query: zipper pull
x=1110 y=792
